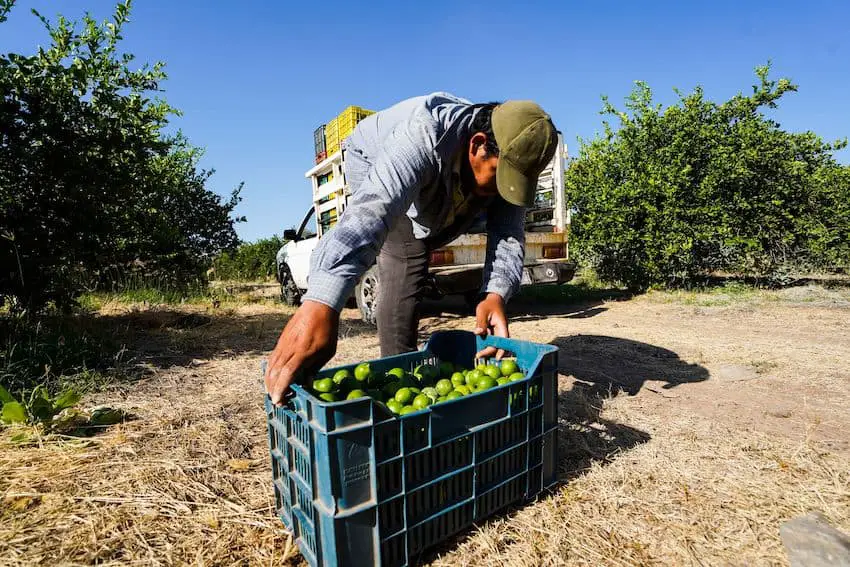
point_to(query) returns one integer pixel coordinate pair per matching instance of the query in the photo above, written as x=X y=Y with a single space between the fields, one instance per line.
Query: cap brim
x=514 y=186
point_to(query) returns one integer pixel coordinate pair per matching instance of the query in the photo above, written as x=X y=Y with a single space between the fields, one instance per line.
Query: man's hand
x=307 y=342
x=490 y=319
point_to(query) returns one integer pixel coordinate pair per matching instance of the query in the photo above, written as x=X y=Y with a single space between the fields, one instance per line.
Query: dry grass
x=646 y=479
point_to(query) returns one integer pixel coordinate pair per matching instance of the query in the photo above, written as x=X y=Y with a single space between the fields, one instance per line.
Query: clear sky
x=255 y=78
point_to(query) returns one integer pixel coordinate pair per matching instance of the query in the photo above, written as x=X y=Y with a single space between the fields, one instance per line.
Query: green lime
x=323 y=385
x=444 y=387
x=328 y=396
x=453 y=395
x=492 y=371
x=415 y=390
x=508 y=367
x=341 y=376
x=446 y=369
x=458 y=378
x=473 y=377
x=362 y=371
x=516 y=376
x=354 y=394
x=502 y=380
x=465 y=371
x=463 y=389
x=481 y=366
x=403 y=395
x=391 y=388
x=441 y=399
x=407 y=409
x=399 y=373
x=394 y=406
x=421 y=401
x=431 y=392
x=484 y=384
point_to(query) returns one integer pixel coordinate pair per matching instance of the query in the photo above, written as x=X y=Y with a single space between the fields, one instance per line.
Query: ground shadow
x=616 y=364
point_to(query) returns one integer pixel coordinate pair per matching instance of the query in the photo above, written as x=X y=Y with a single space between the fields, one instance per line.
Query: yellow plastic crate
x=343 y=125
x=332 y=138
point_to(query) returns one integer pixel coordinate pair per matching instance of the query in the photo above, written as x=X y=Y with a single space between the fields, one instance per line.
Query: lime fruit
x=341 y=376
x=399 y=373
x=415 y=390
x=406 y=410
x=444 y=387
x=516 y=376
x=453 y=395
x=421 y=401
x=508 y=367
x=473 y=377
x=458 y=378
x=362 y=371
x=394 y=406
x=463 y=389
x=484 y=384
x=328 y=396
x=492 y=371
x=324 y=385
x=403 y=395
x=354 y=394
x=502 y=380
x=431 y=392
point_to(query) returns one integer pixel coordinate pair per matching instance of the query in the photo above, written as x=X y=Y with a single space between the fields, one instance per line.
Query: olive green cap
x=527 y=139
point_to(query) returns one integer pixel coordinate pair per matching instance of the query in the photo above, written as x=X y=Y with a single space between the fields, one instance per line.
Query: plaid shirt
x=401 y=161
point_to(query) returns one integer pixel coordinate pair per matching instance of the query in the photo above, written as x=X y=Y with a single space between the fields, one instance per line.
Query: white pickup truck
x=455 y=268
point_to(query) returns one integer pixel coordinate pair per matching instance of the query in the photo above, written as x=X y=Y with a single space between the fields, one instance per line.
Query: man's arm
x=502 y=270
x=402 y=165
x=505 y=249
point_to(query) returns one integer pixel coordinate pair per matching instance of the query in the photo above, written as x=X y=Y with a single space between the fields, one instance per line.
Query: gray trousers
x=402 y=270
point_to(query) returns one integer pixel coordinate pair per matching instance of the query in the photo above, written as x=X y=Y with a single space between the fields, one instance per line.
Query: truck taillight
x=442 y=257
x=553 y=250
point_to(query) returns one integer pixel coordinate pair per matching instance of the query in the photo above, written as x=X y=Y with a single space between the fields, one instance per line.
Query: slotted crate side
x=389 y=487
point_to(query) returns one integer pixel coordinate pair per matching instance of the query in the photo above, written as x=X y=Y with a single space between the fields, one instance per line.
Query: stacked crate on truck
x=319 y=146
x=329 y=188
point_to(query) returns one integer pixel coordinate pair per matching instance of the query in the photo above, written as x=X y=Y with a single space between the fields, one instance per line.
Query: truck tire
x=366 y=293
x=289 y=292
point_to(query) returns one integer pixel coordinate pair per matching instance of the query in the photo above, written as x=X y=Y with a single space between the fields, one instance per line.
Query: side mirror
x=290 y=234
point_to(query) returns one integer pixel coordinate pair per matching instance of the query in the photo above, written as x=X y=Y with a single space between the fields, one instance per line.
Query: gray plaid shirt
x=400 y=161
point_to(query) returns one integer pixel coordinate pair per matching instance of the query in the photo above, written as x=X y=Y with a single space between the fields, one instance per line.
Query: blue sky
x=254 y=79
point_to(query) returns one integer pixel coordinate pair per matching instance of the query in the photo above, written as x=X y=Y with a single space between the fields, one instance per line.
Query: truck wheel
x=289 y=292
x=366 y=293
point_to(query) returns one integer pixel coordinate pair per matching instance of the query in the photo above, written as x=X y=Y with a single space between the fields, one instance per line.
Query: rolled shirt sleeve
x=505 y=249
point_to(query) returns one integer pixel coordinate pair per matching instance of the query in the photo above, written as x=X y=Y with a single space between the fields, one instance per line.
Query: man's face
x=480 y=177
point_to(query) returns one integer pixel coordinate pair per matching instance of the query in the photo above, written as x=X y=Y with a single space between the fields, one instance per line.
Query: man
x=419 y=173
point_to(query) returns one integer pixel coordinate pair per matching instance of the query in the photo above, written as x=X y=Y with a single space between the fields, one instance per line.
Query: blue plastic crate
x=357 y=485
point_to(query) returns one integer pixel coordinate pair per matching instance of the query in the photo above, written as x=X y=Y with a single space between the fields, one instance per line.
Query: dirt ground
x=692 y=426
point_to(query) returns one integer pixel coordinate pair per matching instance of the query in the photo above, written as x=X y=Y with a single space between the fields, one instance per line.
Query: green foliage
x=90 y=185
x=38 y=408
x=251 y=261
x=678 y=193
x=55 y=353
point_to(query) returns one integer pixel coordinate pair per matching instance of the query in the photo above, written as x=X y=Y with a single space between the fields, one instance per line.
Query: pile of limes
x=406 y=392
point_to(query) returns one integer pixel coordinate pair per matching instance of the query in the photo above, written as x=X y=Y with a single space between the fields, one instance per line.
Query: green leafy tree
x=675 y=194
x=91 y=186
x=251 y=261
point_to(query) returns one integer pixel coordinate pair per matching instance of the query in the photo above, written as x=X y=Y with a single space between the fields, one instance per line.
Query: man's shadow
x=600 y=368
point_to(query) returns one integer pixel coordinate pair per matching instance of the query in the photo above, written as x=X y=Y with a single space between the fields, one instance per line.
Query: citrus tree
x=673 y=194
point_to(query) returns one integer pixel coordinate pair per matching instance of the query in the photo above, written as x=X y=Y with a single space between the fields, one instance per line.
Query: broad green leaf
x=5 y=396
x=69 y=398
x=13 y=412
x=41 y=409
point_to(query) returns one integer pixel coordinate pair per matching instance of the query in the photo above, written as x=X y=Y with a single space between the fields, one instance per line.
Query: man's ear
x=477 y=143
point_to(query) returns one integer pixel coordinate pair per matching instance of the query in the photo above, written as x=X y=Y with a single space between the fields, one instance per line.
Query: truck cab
x=456 y=268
